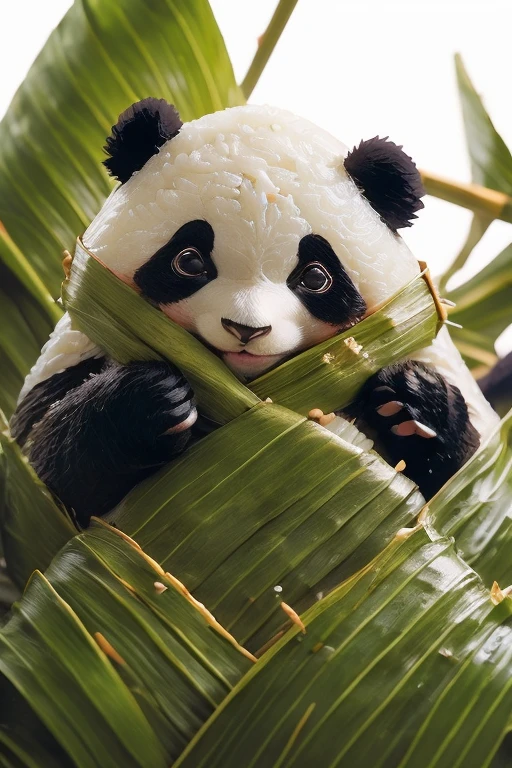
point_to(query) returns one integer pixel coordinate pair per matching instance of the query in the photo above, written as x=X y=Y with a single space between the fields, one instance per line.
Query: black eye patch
x=181 y=267
x=323 y=286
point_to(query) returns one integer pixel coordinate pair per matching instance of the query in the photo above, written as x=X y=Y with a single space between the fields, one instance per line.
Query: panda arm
x=415 y=415
x=102 y=437
x=36 y=402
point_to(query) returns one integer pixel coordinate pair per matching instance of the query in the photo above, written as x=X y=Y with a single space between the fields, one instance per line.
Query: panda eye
x=315 y=278
x=189 y=263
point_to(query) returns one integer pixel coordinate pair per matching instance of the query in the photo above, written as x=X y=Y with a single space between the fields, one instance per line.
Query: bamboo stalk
x=267 y=43
x=481 y=200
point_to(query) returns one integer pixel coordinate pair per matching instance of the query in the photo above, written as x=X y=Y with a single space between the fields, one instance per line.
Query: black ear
x=389 y=180
x=139 y=132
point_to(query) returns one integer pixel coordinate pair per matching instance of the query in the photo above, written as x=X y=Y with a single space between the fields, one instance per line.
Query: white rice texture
x=263 y=178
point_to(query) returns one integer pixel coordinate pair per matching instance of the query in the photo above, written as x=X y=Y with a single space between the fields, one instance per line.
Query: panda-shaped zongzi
x=262 y=235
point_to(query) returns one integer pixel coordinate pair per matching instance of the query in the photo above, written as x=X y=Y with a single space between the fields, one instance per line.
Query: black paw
x=101 y=438
x=152 y=404
x=414 y=415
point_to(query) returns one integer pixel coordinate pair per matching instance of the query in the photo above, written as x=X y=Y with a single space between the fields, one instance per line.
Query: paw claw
x=408 y=428
x=185 y=424
x=326 y=419
x=391 y=408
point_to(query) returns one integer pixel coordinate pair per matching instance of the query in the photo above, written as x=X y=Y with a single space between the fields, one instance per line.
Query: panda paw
x=414 y=415
x=157 y=403
x=114 y=429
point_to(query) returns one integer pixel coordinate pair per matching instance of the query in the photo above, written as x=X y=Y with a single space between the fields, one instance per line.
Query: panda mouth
x=247 y=357
x=249 y=366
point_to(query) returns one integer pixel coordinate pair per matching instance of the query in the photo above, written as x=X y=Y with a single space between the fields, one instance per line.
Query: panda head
x=252 y=228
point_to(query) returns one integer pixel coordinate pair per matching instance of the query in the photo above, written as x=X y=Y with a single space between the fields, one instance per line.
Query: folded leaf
x=406 y=665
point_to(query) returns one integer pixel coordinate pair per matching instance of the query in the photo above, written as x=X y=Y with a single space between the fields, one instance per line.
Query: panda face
x=246 y=229
x=255 y=308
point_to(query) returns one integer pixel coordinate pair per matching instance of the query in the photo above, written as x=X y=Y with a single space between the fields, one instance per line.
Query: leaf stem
x=267 y=43
x=482 y=200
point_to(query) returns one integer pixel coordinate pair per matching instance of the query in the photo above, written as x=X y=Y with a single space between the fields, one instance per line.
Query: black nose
x=245 y=332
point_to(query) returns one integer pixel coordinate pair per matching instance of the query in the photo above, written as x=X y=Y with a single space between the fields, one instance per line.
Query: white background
x=358 y=68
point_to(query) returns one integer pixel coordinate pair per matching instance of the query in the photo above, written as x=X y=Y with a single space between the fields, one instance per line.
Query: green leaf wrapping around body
x=103 y=56
x=128 y=328
x=327 y=376
x=170 y=668
x=407 y=665
x=71 y=685
x=475 y=508
x=34 y=527
x=269 y=499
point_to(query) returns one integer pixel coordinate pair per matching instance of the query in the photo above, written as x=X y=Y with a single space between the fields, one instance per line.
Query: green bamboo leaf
x=131 y=565
x=326 y=376
x=103 y=56
x=480 y=223
x=491 y=162
x=26 y=319
x=491 y=167
x=172 y=662
x=8 y=591
x=16 y=339
x=15 y=262
x=266 y=44
x=11 y=382
x=222 y=520
x=17 y=748
x=474 y=507
x=483 y=309
x=49 y=657
x=408 y=664
x=128 y=328
x=22 y=325
x=502 y=757
x=171 y=668
x=33 y=526
x=329 y=375
x=483 y=302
